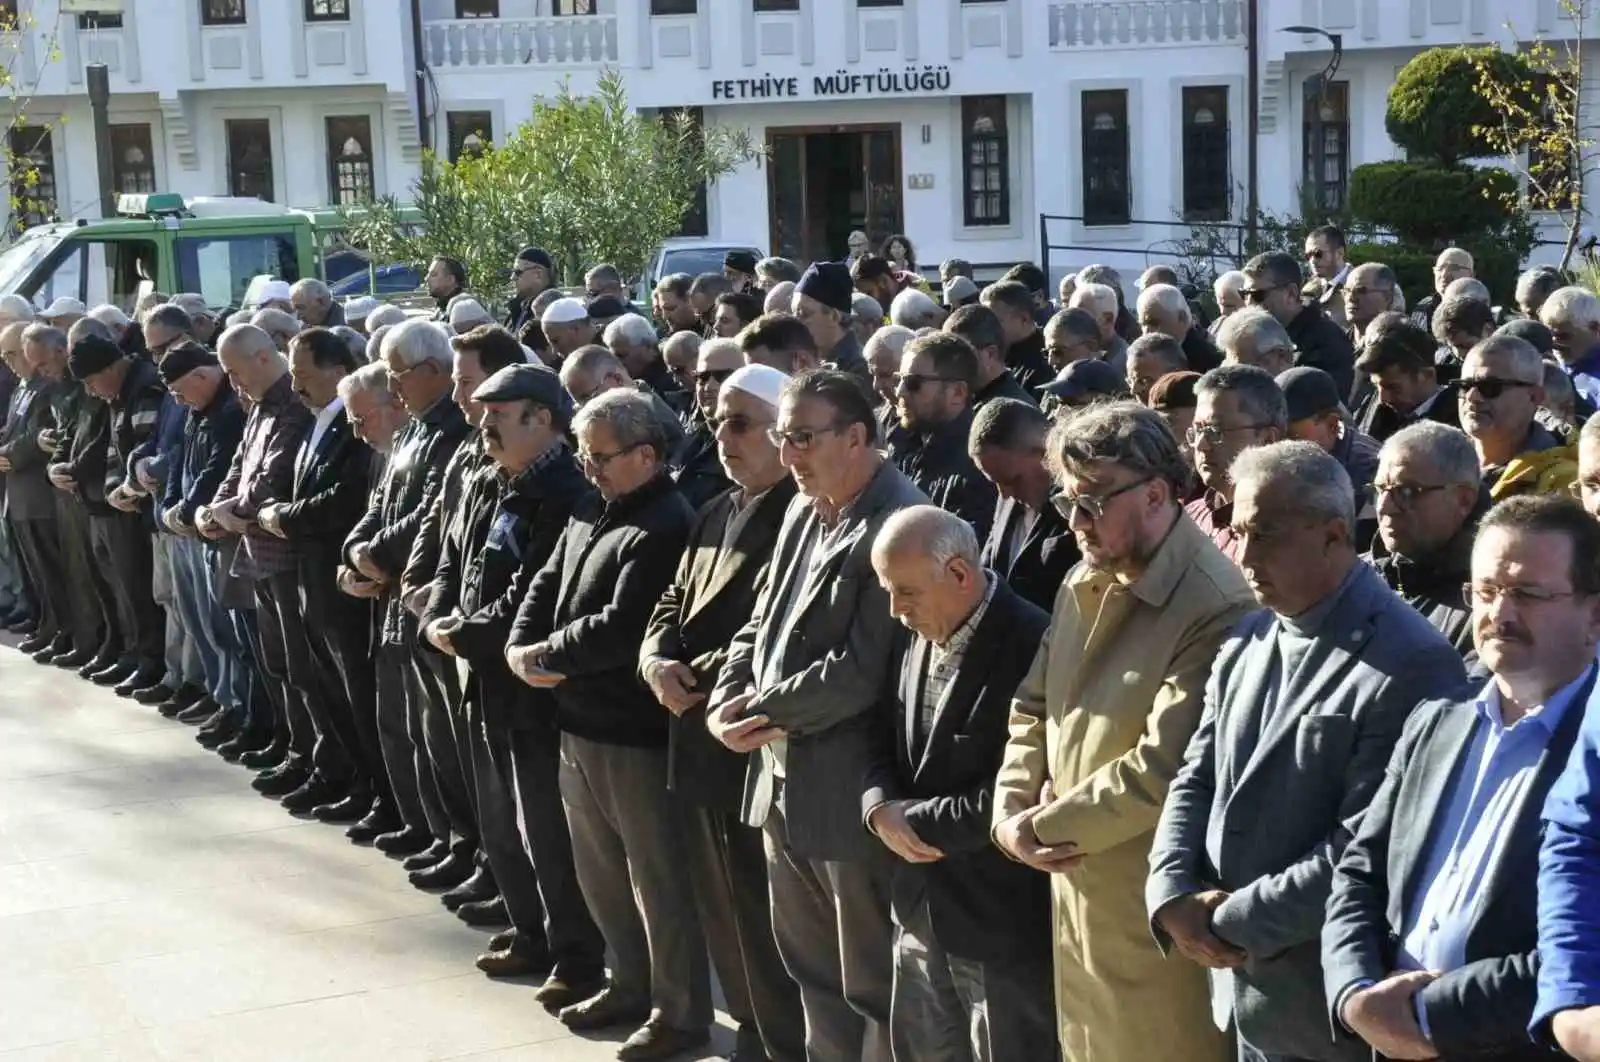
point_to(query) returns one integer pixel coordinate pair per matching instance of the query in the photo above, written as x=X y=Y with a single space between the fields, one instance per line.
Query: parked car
x=393 y=279
x=692 y=257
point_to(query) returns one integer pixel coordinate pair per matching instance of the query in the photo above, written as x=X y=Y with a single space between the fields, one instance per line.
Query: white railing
x=561 y=40
x=1138 y=23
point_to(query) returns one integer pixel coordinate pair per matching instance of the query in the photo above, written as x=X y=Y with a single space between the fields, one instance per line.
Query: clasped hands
x=728 y=724
x=1016 y=837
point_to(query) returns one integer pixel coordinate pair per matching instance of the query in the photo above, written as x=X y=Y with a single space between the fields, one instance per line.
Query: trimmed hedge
x=1434 y=103
x=1495 y=265
x=1426 y=204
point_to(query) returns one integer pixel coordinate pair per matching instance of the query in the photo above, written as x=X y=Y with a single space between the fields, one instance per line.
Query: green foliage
x=1430 y=205
x=588 y=179
x=1436 y=109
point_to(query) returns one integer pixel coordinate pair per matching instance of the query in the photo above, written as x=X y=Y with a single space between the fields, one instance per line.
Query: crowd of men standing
x=1014 y=678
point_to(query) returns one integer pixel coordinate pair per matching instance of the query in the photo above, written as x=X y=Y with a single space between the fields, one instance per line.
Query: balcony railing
x=1142 y=23
x=561 y=40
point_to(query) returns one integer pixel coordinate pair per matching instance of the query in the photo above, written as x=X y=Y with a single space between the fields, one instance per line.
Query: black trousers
x=498 y=836
x=286 y=665
x=94 y=609
x=401 y=758
x=39 y=546
x=122 y=551
x=349 y=642
x=531 y=760
x=324 y=619
x=436 y=694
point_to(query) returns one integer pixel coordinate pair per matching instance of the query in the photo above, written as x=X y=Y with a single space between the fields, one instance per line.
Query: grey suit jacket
x=1484 y=1006
x=29 y=494
x=1264 y=805
x=834 y=664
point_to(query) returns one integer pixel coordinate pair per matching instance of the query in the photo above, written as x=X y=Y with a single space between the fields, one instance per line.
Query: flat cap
x=526 y=382
x=1174 y=391
x=959 y=289
x=1309 y=392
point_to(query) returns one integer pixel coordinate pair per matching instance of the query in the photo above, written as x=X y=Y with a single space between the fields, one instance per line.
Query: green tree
x=26 y=201
x=587 y=178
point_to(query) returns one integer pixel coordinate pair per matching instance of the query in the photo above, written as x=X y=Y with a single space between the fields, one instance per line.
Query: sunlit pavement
x=154 y=907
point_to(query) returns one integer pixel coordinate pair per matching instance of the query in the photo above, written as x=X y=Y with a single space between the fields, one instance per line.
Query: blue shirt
x=1569 y=884
x=1478 y=815
x=1585 y=375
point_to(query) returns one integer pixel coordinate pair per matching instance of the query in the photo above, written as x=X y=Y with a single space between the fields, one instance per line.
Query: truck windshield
x=22 y=257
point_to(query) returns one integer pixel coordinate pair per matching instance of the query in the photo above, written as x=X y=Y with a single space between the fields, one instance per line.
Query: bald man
x=972 y=940
x=1452 y=264
x=591 y=371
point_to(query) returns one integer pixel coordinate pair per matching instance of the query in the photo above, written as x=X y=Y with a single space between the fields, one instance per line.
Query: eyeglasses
x=1359 y=292
x=719 y=375
x=1259 y=295
x=600 y=461
x=1520 y=596
x=1092 y=506
x=1490 y=387
x=800 y=438
x=578 y=400
x=736 y=423
x=1404 y=493
x=911 y=382
x=1212 y=434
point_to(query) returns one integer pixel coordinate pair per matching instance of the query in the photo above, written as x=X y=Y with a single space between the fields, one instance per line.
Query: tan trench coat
x=1105 y=715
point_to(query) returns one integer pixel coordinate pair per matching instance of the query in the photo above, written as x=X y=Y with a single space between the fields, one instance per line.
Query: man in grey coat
x=1304 y=706
x=800 y=689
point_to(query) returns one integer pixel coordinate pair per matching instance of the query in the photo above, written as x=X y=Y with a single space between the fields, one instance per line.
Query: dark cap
x=1309 y=392
x=183 y=358
x=1085 y=379
x=1174 y=391
x=537 y=256
x=91 y=355
x=526 y=382
x=829 y=283
x=743 y=261
x=606 y=306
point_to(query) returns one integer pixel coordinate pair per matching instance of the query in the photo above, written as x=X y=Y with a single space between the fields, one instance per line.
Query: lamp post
x=1319 y=99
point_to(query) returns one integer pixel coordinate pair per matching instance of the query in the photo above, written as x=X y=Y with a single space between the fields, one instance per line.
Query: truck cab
x=162 y=242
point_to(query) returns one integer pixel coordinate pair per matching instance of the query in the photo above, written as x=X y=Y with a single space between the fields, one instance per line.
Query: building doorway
x=825 y=181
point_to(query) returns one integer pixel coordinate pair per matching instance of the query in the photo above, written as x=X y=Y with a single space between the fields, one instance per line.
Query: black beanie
x=91 y=355
x=183 y=359
x=830 y=284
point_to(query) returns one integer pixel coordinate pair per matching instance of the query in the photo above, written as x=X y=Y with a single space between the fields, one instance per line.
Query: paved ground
x=153 y=907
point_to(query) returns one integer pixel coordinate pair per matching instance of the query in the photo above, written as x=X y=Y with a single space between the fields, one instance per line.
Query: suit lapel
x=754 y=543
x=1446 y=747
x=961 y=695
x=920 y=658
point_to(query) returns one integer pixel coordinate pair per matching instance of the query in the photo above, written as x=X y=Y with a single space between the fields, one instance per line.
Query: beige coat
x=1105 y=715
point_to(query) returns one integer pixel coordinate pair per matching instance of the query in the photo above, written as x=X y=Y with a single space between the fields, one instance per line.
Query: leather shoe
x=449 y=872
x=429 y=856
x=314 y=793
x=479 y=887
x=502 y=940
x=351 y=809
x=143 y=677
x=604 y=1011
x=378 y=821
x=510 y=963
x=73 y=660
x=403 y=842
x=235 y=747
x=280 y=782
x=561 y=990
x=24 y=624
x=114 y=675
x=656 y=1040
x=96 y=665
x=172 y=707
x=154 y=694
x=484 y=913
x=266 y=755
x=33 y=644
x=219 y=735
x=198 y=712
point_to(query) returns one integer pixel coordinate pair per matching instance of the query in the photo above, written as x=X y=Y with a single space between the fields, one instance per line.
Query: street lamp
x=1316 y=99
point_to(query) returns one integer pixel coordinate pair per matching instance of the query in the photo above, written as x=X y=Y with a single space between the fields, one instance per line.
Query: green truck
x=164 y=242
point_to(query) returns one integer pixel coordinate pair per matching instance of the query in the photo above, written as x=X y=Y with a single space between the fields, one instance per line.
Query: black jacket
x=461 y=472
x=1201 y=353
x=413 y=477
x=1025 y=358
x=1003 y=386
x=1044 y=560
x=846 y=357
x=1434 y=585
x=696 y=467
x=939 y=464
x=1482 y=1008
x=983 y=905
x=591 y=602
x=504 y=532
x=211 y=437
x=328 y=499
x=1380 y=422
x=88 y=447
x=711 y=597
x=1322 y=344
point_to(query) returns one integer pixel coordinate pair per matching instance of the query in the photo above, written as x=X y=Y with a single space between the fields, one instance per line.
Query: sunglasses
x=1092 y=506
x=1259 y=295
x=911 y=382
x=1314 y=255
x=1490 y=387
x=737 y=424
x=719 y=375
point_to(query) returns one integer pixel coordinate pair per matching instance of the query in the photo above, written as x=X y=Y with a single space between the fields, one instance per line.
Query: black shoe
x=188 y=694
x=280 y=782
x=316 y=792
x=476 y=889
x=605 y=1010
x=156 y=694
x=562 y=990
x=502 y=940
x=96 y=664
x=198 y=712
x=484 y=913
x=219 y=735
x=434 y=854
x=247 y=744
x=351 y=809
x=235 y=747
x=403 y=842
x=114 y=675
x=144 y=677
x=172 y=707
x=220 y=717
x=268 y=755
x=449 y=872
x=74 y=659
x=23 y=625
x=379 y=822
x=35 y=644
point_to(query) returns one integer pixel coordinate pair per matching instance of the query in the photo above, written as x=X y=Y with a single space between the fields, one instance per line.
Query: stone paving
x=154 y=907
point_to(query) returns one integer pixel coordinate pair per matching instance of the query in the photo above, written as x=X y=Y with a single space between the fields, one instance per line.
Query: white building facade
x=993 y=130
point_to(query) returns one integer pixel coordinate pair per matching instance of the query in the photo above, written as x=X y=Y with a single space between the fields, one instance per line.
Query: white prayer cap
x=358 y=308
x=565 y=311
x=273 y=291
x=468 y=313
x=762 y=382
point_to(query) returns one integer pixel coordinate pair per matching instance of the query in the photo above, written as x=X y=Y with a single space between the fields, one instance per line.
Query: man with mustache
x=1308 y=696
x=1237 y=407
x=1431 y=947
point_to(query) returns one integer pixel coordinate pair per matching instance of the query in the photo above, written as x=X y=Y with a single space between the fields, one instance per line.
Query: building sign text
x=843 y=83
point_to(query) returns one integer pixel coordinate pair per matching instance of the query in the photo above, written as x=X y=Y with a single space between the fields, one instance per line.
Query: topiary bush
x=1494 y=264
x=1427 y=204
x=1435 y=105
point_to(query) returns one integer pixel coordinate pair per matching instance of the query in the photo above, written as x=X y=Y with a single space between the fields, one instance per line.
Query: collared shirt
x=1477 y=818
x=945 y=660
x=319 y=428
x=744 y=507
x=1585 y=375
x=1214 y=515
x=1023 y=519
